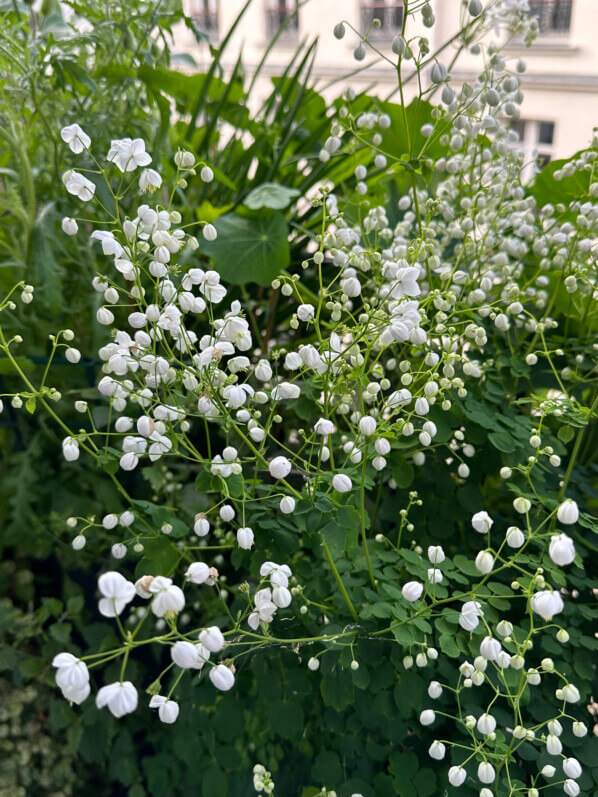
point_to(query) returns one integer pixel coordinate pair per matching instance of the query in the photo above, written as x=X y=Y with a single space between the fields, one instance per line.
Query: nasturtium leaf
x=270 y=195
x=249 y=249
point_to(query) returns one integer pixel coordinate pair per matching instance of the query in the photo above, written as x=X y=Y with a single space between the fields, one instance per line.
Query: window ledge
x=281 y=44
x=545 y=46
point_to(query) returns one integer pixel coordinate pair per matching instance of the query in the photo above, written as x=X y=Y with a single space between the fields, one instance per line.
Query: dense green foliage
x=351 y=730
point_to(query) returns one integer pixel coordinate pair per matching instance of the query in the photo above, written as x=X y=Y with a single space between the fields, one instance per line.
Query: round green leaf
x=249 y=250
x=270 y=195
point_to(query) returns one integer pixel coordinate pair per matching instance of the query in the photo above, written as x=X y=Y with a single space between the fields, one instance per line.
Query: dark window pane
x=554 y=16
x=280 y=13
x=518 y=125
x=546 y=133
x=389 y=14
x=542 y=159
x=205 y=15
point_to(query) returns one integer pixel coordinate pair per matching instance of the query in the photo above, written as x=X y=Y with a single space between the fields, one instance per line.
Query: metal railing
x=390 y=16
x=207 y=22
x=553 y=16
x=284 y=20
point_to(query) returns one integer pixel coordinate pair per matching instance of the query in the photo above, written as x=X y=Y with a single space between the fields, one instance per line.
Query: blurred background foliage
x=116 y=77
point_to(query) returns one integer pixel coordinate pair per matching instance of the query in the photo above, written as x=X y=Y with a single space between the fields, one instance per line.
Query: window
x=204 y=14
x=282 y=18
x=388 y=12
x=536 y=141
x=553 y=16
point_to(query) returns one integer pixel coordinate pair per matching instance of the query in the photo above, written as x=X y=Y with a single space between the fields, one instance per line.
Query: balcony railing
x=206 y=22
x=553 y=16
x=284 y=20
x=390 y=16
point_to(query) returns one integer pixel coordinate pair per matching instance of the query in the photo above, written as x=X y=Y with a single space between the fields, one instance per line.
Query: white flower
x=561 y=549
x=201 y=527
x=553 y=744
x=279 y=467
x=571 y=788
x=117 y=592
x=580 y=729
x=427 y=717
x=456 y=776
x=210 y=232
x=263 y=371
x=434 y=575
x=434 y=690
x=437 y=750
x=72 y=355
x=245 y=538
x=436 y=554
x=568 y=512
x=514 y=537
x=367 y=425
x=70 y=449
x=324 y=426
x=222 y=677
x=150 y=180
x=522 y=505
x=78 y=185
x=72 y=676
x=486 y=724
x=74 y=136
x=305 y=312
x=484 y=562
x=168 y=710
x=486 y=773
x=422 y=407
x=286 y=390
x=572 y=768
x=412 y=591
x=490 y=648
x=279 y=574
x=571 y=694
x=265 y=609
x=438 y=74
x=128 y=154
x=69 y=226
x=469 y=618
x=129 y=461
x=198 y=573
x=342 y=483
x=189 y=656
x=287 y=505
x=504 y=628
x=281 y=597
x=212 y=639
x=167 y=596
x=184 y=159
x=120 y=697
x=547 y=604
x=227 y=513
x=119 y=550
x=142 y=586
x=110 y=246
x=482 y=522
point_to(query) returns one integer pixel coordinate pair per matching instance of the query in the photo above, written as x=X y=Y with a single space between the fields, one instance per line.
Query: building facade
x=560 y=84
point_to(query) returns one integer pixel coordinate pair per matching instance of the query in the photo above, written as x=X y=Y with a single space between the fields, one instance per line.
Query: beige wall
x=560 y=85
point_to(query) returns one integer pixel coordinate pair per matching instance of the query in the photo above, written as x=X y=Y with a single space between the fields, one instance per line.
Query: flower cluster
x=395 y=317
